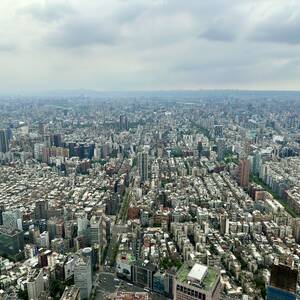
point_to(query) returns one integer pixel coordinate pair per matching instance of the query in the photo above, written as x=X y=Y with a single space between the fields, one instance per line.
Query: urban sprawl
x=164 y=196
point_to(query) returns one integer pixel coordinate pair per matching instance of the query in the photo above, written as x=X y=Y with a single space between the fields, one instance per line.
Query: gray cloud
x=7 y=47
x=218 y=34
x=278 y=30
x=81 y=33
x=155 y=44
x=127 y=13
x=47 y=12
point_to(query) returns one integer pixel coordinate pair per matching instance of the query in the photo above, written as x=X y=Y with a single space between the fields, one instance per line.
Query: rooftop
x=197 y=272
x=208 y=275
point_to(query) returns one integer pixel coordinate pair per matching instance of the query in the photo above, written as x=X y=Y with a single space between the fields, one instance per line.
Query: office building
x=12 y=219
x=221 y=149
x=95 y=229
x=244 y=172
x=82 y=223
x=218 y=131
x=193 y=282
x=143 y=166
x=83 y=276
x=283 y=283
x=257 y=162
x=35 y=284
x=11 y=242
x=55 y=228
x=4 y=147
x=224 y=224
x=142 y=274
x=199 y=148
x=38 y=151
x=57 y=140
x=1 y=212
x=41 y=209
x=123 y=122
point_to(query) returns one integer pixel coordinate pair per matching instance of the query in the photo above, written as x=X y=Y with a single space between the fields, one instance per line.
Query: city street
x=108 y=283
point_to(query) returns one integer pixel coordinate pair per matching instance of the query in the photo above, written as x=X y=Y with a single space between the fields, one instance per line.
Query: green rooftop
x=208 y=280
x=183 y=272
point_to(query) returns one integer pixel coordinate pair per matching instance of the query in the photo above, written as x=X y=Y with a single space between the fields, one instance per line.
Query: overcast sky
x=149 y=44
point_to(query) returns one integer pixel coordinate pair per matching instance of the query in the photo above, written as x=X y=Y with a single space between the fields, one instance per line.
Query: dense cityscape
x=167 y=195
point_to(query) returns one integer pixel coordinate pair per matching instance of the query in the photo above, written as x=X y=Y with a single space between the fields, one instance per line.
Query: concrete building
x=55 y=228
x=143 y=166
x=83 y=276
x=12 y=219
x=35 y=284
x=143 y=273
x=41 y=209
x=197 y=282
x=4 y=147
x=95 y=229
x=244 y=172
x=221 y=149
x=11 y=242
x=283 y=283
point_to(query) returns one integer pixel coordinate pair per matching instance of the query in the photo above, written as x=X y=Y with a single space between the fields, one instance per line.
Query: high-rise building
x=35 y=284
x=123 y=122
x=42 y=240
x=57 y=140
x=221 y=149
x=1 y=212
x=83 y=276
x=12 y=219
x=197 y=282
x=9 y=133
x=95 y=228
x=38 y=151
x=55 y=228
x=4 y=147
x=244 y=172
x=296 y=229
x=257 y=161
x=143 y=165
x=88 y=252
x=112 y=204
x=199 y=148
x=142 y=273
x=283 y=283
x=224 y=224
x=11 y=242
x=218 y=131
x=41 y=128
x=41 y=208
x=82 y=223
x=47 y=140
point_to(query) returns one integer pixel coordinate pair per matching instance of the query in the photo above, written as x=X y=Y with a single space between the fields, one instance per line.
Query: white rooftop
x=198 y=272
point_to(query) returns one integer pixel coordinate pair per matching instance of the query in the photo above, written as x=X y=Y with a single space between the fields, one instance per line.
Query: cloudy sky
x=149 y=44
